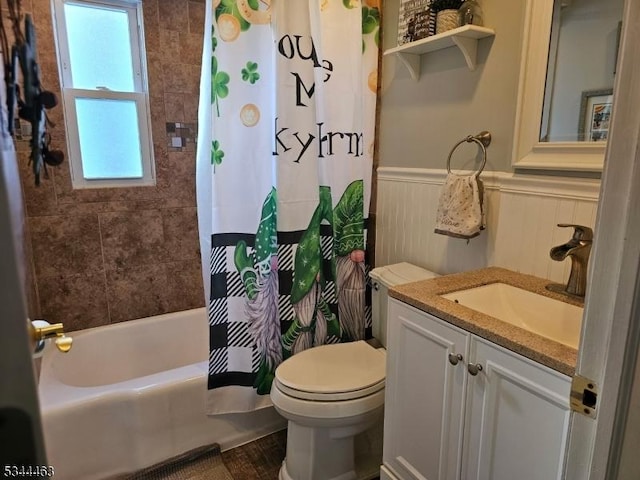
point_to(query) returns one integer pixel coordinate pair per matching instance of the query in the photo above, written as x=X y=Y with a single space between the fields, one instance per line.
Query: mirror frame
x=528 y=151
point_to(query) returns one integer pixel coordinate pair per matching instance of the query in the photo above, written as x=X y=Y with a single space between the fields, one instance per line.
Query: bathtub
x=132 y=394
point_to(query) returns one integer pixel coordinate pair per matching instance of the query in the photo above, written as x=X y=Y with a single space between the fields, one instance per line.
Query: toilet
x=331 y=393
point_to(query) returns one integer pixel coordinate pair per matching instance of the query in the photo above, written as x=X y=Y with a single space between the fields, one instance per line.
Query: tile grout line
x=104 y=270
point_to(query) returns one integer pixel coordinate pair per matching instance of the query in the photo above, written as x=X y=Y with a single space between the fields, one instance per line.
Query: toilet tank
x=382 y=278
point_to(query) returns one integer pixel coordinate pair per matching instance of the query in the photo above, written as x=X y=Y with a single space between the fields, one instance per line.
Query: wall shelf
x=465 y=38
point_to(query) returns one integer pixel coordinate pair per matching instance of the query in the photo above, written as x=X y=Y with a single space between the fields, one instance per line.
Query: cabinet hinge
x=584 y=396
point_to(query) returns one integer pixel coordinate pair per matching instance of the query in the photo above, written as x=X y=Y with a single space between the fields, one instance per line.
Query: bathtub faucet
x=41 y=330
x=578 y=249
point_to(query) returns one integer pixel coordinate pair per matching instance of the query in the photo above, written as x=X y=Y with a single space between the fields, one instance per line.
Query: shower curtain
x=285 y=146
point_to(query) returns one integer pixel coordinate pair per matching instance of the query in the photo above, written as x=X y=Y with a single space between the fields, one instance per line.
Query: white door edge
x=18 y=388
x=613 y=273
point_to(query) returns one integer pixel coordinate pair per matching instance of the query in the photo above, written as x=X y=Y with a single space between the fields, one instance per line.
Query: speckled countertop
x=425 y=295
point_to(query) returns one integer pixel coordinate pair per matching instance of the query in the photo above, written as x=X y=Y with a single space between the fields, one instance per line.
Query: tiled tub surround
x=107 y=255
x=425 y=295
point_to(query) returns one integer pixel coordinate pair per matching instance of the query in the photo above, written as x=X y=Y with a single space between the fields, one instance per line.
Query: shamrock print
x=250 y=73
x=219 y=81
x=216 y=154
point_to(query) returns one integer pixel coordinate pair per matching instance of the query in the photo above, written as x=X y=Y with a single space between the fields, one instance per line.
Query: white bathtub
x=132 y=394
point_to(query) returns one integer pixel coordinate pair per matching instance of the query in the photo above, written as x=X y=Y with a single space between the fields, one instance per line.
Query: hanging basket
x=446 y=20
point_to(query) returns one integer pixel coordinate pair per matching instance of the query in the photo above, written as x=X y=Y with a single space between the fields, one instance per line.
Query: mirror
x=566 y=84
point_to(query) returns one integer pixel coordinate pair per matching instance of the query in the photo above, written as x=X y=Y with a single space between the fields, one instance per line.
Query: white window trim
x=140 y=96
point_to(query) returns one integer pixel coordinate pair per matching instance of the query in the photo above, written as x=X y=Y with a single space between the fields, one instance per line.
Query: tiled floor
x=259 y=460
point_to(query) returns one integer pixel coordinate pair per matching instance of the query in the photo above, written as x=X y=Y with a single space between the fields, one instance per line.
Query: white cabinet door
x=517 y=417
x=424 y=395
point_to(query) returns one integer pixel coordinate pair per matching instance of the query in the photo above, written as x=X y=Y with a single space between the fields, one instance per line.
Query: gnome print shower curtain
x=285 y=149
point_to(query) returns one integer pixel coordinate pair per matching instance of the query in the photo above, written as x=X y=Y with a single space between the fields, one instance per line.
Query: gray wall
x=421 y=121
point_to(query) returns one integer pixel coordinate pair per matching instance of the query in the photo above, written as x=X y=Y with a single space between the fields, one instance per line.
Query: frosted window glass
x=109 y=138
x=99 y=47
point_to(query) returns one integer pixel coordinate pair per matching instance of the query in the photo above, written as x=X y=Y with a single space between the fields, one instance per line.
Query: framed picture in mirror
x=595 y=113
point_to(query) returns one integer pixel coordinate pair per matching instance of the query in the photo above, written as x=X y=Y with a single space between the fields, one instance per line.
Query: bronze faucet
x=578 y=248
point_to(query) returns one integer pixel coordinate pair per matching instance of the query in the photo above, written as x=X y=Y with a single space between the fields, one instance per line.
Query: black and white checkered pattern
x=233 y=358
x=218 y=361
x=218 y=312
x=286 y=256
x=285 y=308
x=217 y=262
x=235 y=288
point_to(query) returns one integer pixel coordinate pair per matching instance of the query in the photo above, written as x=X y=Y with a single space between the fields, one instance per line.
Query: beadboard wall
x=522 y=213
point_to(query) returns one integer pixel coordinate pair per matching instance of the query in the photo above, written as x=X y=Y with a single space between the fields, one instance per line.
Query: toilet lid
x=332 y=372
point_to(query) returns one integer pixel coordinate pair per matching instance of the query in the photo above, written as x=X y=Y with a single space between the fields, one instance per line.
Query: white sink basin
x=541 y=315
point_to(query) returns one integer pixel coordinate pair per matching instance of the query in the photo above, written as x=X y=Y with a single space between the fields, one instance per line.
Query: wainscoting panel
x=407 y=203
x=529 y=218
x=522 y=214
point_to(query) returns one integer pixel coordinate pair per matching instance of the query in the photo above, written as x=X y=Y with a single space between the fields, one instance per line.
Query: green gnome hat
x=308 y=260
x=266 y=245
x=348 y=220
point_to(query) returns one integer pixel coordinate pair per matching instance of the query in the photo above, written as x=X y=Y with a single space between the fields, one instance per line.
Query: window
x=101 y=59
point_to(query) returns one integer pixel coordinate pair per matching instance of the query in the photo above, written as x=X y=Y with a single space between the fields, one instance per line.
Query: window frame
x=140 y=94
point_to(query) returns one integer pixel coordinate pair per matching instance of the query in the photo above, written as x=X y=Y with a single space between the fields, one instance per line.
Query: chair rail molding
x=587 y=189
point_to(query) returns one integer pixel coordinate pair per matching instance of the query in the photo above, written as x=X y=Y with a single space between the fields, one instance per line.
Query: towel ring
x=483 y=139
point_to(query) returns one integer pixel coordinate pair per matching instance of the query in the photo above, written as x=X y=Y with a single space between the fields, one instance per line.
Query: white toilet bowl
x=332 y=393
x=328 y=394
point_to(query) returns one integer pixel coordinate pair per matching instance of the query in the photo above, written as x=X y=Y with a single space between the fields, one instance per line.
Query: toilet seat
x=336 y=372
x=329 y=397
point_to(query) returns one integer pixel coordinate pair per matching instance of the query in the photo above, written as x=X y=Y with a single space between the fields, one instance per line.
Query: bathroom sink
x=538 y=314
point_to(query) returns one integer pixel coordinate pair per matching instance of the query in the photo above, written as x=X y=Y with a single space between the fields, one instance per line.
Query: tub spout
x=41 y=330
x=578 y=249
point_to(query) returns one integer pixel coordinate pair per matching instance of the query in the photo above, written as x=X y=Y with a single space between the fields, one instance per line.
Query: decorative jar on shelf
x=470 y=13
x=446 y=20
x=447 y=16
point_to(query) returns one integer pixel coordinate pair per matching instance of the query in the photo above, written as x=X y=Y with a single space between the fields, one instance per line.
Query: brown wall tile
x=39 y=200
x=181 y=233
x=196 y=17
x=137 y=292
x=66 y=245
x=102 y=255
x=158 y=119
x=174 y=107
x=193 y=78
x=174 y=14
x=30 y=287
x=182 y=190
x=78 y=301
x=191 y=104
x=177 y=78
x=191 y=48
x=132 y=238
x=182 y=164
x=150 y=12
x=155 y=73
x=152 y=36
x=184 y=281
x=170 y=46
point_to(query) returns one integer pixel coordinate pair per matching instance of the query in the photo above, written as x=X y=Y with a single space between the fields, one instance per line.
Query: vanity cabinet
x=460 y=407
x=424 y=396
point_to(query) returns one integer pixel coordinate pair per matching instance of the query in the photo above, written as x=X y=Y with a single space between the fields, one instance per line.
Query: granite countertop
x=425 y=295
